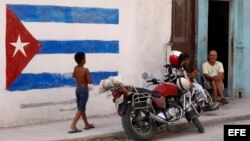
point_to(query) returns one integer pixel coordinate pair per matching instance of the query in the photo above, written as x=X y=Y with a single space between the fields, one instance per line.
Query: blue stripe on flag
x=28 y=81
x=87 y=46
x=49 y=13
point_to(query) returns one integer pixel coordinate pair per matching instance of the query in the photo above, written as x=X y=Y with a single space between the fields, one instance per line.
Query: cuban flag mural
x=41 y=41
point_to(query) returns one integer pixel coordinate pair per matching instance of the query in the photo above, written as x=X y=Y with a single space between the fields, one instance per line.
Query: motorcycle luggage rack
x=141 y=101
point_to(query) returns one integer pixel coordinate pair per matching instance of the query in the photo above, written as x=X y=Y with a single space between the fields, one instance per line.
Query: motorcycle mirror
x=145 y=75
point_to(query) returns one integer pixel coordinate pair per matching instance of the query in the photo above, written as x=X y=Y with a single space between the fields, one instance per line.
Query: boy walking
x=82 y=77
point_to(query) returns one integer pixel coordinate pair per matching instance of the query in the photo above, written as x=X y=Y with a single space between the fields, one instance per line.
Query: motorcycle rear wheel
x=198 y=124
x=137 y=126
x=209 y=98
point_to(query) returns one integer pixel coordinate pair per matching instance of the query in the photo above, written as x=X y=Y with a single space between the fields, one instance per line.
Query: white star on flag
x=19 y=45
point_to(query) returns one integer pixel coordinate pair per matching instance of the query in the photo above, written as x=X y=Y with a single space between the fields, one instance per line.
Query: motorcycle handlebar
x=170 y=78
x=154 y=81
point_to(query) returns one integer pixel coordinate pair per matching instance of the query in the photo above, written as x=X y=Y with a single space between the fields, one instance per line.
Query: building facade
x=39 y=38
x=199 y=26
x=224 y=26
x=38 y=42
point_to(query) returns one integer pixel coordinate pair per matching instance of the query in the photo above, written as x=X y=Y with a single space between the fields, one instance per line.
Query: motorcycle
x=142 y=111
x=201 y=96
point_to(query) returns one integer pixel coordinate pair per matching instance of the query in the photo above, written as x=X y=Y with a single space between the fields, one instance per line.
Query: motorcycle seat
x=153 y=93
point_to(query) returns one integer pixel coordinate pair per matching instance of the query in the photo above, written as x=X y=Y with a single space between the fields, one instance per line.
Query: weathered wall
x=241 y=44
x=246 y=44
x=142 y=31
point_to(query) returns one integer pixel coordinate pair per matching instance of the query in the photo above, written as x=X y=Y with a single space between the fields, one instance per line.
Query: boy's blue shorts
x=82 y=95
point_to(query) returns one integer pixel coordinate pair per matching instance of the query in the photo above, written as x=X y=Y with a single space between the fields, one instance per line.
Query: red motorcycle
x=143 y=110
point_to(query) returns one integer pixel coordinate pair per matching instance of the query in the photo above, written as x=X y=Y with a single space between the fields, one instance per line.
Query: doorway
x=218 y=32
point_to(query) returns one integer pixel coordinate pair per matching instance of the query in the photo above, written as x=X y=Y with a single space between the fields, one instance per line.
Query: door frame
x=202 y=38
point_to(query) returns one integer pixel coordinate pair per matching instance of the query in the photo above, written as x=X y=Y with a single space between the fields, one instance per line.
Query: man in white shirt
x=214 y=73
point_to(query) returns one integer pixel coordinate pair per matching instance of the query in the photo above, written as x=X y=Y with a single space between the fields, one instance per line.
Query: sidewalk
x=109 y=128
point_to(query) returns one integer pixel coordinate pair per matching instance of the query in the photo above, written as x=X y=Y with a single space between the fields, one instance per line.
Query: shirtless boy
x=82 y=77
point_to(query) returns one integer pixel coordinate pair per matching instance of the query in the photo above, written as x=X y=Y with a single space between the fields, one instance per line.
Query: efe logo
x=236 y=132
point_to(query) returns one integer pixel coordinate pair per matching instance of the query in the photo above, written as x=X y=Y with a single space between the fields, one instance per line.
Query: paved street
x=212 y=133
x=110 y=128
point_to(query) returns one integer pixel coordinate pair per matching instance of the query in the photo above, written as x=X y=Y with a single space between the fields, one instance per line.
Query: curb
x=187 y=126
x=174 y=128
x=115 y=136
x=227 y=119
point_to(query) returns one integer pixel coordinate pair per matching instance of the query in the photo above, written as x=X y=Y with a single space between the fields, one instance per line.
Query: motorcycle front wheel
x=198 y=124
x=137 y=126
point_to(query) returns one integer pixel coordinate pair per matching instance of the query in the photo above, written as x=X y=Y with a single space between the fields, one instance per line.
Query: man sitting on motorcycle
x=177 y=68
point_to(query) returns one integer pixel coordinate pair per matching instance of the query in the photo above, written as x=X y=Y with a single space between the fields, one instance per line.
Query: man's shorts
x=82 y=95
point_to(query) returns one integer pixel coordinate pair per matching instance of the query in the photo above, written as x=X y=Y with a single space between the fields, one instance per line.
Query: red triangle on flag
x=21 y=47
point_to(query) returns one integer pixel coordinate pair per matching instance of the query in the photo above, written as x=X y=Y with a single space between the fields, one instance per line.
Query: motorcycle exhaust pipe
x=156 y=118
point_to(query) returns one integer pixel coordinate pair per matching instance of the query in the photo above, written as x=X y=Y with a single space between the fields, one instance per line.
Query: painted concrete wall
x=246 y=44
x=241 y=49
x=142 y=31
x=202 y=33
